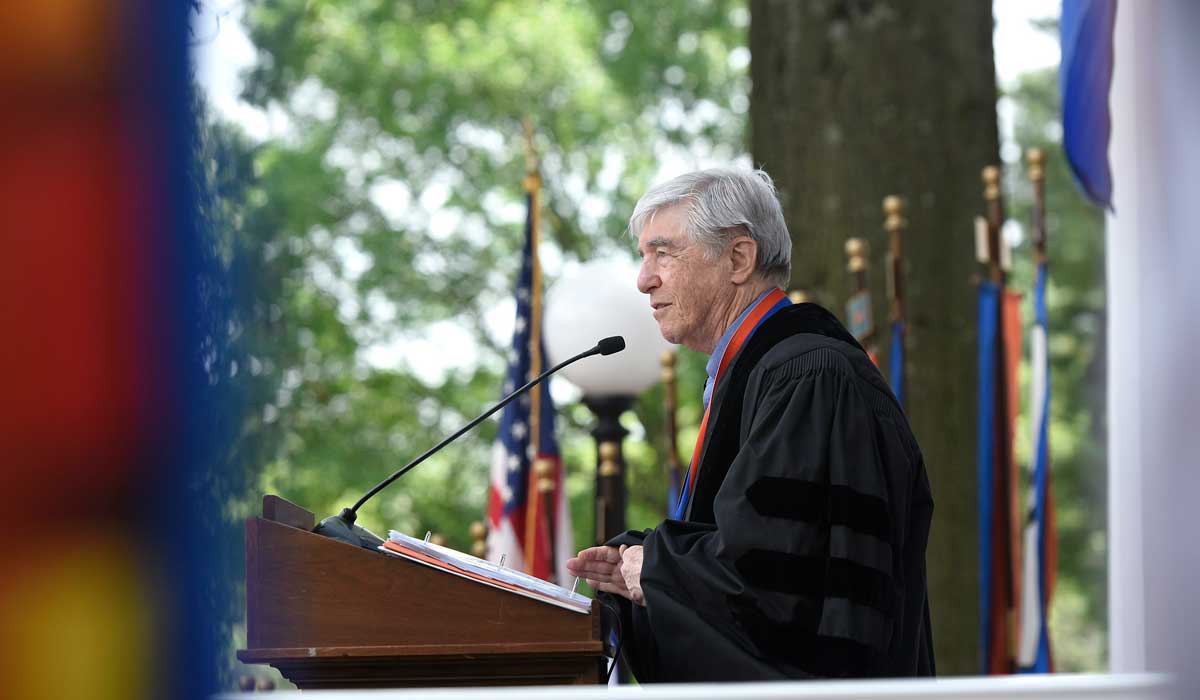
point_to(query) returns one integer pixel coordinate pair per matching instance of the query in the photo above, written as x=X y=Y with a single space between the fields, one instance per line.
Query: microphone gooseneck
x=341 y=526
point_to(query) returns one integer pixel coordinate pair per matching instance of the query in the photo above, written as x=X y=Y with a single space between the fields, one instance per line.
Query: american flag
x=518 y=526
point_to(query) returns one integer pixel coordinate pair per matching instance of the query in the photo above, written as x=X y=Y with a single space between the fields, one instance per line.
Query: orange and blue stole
x=763 y=309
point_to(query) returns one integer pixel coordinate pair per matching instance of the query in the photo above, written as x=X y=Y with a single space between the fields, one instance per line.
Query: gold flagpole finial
x=1036 y=158
x=1037 y=176
x=479 y=539
x=856 y=255
x=893 y=210
x=991 y=183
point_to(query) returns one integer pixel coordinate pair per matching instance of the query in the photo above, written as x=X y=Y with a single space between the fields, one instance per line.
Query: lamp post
x=601 y=299
x=610 y=463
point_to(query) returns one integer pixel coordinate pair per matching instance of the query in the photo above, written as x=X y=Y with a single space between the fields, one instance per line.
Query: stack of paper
x=485 y=572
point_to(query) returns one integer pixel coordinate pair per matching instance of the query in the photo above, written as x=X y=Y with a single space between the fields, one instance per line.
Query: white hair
x=724 y=203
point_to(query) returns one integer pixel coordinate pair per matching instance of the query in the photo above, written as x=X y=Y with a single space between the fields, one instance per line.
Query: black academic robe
x=802 y=553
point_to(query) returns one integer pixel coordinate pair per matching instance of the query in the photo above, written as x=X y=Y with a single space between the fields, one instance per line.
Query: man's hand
x=610 y=570
x=631 y=570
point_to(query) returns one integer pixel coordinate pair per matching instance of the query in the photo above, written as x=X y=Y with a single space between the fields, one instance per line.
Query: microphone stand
x=341 y=527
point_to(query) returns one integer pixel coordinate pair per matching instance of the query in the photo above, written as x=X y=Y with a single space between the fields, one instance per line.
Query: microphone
x=341 y=527
x=607 y=346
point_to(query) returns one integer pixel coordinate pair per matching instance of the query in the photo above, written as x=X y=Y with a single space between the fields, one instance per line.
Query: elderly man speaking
x=798 y=546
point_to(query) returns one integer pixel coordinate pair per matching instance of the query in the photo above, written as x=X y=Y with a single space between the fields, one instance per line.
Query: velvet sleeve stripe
x=820 y=504
x=817 y=577
x=848 y=620
x=820 y=655
x=867 y=550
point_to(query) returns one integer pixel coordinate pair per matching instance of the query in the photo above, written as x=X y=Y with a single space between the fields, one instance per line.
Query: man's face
x=684 y=285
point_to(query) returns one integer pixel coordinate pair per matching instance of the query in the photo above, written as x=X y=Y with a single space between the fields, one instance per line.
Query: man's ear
x=743 y=254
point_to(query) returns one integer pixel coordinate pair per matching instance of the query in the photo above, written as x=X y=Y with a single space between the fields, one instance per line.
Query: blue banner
x=989 y=323
x=1084 y=76
x=896 y=361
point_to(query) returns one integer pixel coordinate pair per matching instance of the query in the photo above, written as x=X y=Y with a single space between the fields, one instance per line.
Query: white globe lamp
x=599 y=300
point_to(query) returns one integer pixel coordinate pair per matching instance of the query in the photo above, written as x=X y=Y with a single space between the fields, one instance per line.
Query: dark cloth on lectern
x=803 y=549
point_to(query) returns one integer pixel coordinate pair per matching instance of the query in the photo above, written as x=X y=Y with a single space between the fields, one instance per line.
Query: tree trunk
x=854 y=100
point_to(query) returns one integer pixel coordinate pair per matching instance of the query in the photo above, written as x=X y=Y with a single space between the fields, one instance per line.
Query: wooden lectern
x=332 y=615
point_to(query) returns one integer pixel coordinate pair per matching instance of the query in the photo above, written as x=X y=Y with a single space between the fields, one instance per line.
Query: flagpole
x=671 y=401
x=1040 y=555
x=1048 y=546
x=859 y=317
x=541 y=476
x=894 y=223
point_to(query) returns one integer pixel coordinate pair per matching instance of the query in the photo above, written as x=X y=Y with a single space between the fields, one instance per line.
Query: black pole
x=610 y=477
x=610 y=464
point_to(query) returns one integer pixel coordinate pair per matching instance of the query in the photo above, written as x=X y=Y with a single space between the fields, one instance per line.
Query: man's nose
x=647 y=280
